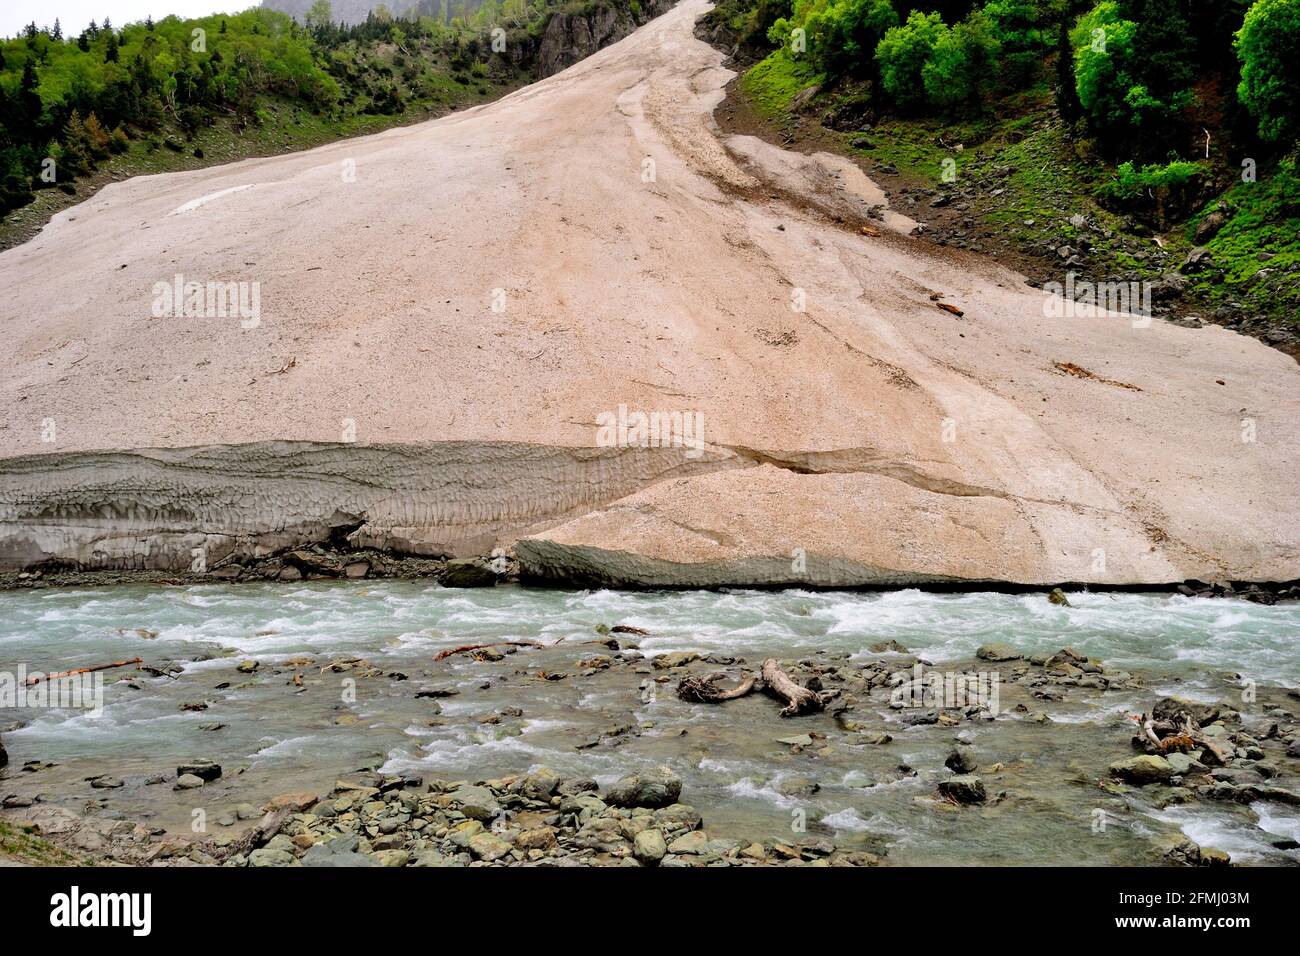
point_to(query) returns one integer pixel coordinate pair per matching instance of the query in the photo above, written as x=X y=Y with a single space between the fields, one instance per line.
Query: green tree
x=1130 y=94
x=842 y=34
x=1268 y=45
x=902 y=54
x=1067 y=97
x=962 y=66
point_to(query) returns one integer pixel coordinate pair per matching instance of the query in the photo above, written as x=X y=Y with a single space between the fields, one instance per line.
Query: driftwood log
x=259 y=836
x=1179 y=731
x=468 y=648
x=798 y=699
x=705 y=690
x=37 y=678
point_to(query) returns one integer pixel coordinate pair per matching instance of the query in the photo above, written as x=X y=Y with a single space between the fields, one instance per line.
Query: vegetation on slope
x=1123 y=139
x=78 y=111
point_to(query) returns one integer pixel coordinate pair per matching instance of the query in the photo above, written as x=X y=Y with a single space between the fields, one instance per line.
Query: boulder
x=488 y=846
x=1199 y=258
x=675 y=659
x=1065 y=657
x=538 y=838
x=654 y=788
x=1167 y=708
x=295 y=802
x=649 y=847
x=998 y=652
x=540 y=784
x=961 y=759
x=693 y=842
x=964 y=788
x=205 y=770
x=187 y=781
x=340 y=851
x=1142 y=770
x=477 y=803
x=268 y=856
x=467 y=573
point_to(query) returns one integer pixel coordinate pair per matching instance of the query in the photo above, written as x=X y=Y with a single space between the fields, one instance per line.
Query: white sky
x=75 y=14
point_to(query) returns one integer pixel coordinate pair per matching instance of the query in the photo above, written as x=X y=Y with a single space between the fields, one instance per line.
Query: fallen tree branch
x=37 y=678
x=479 y=647
x=261 y=834
x=705 y=690
x=798 y=699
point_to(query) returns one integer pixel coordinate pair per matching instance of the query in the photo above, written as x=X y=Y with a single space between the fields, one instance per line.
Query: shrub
x=1158 y=193
x=902 y=54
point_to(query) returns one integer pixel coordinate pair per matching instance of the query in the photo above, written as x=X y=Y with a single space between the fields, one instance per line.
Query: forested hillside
x=1127 y=139
x=80 y=108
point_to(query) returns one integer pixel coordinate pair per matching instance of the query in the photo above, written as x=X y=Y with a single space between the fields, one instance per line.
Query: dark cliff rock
x=570 y=37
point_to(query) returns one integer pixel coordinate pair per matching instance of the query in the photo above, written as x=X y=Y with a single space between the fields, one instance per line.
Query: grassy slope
x=19 y=843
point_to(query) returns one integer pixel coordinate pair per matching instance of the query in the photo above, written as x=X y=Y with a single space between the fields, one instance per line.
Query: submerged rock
x=964 y=788
x=205 y=770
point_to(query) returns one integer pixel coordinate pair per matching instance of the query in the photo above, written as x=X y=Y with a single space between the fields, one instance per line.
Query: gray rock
x=961 y=759
x=1199 y=258
x=798 y=787
x=477 y=803
x=467 y=573
x=964 y=788
x=205 y=770
x=268 y=856
x=1181 y=763
x=692 y=843
x=188 y=781
x=1142 y=770
x=675 y=659
x=649 y=847
x=488 y=846
x=106 y=783
x=998 y=652
x=655 y=788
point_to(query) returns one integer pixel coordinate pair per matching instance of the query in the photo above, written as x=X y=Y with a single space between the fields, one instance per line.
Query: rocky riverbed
x=328 y=724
